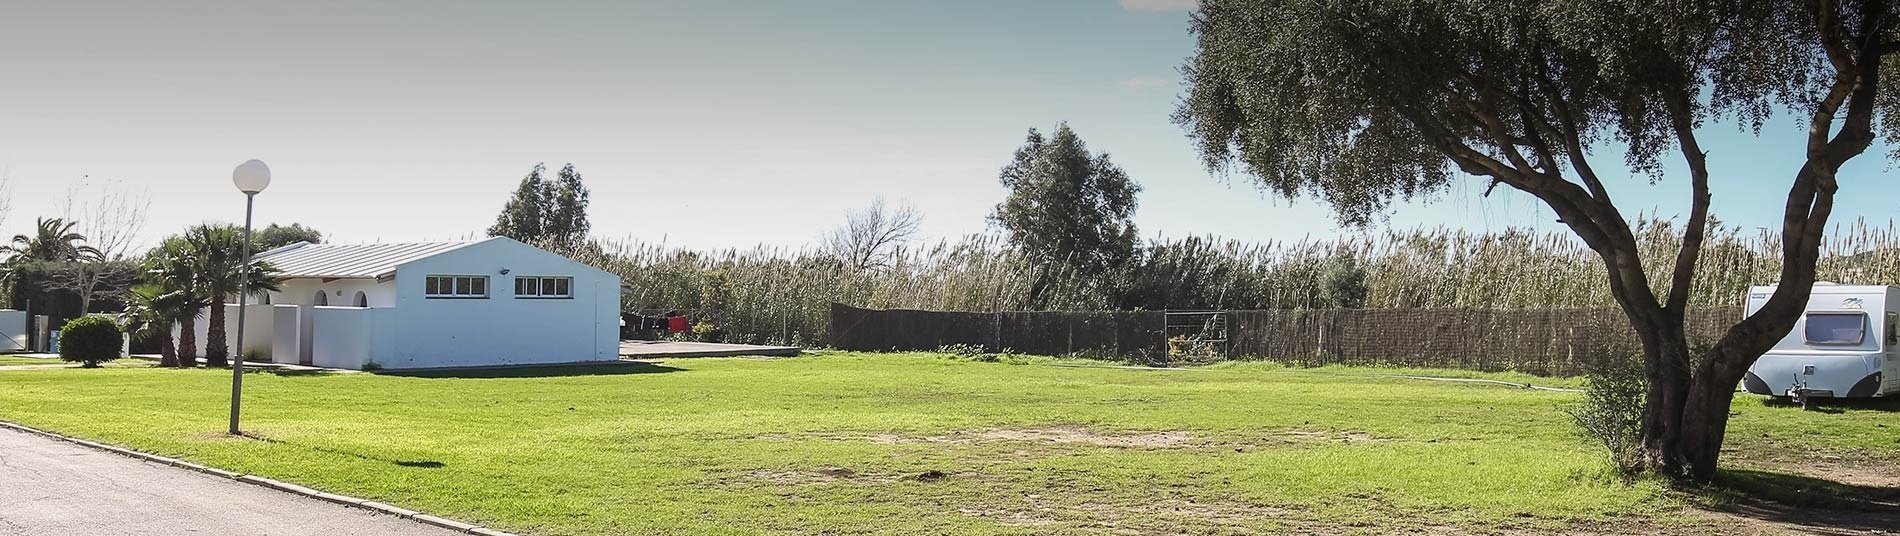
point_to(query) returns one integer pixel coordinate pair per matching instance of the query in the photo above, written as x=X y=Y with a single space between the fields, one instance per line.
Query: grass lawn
x=14 y=360
x=6 y=360
x=912 y=443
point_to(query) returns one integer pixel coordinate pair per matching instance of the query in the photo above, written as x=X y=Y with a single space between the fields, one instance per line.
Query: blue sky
x=705 y=124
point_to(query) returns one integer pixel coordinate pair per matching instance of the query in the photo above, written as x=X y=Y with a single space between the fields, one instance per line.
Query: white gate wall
x=286 y=346
x=12 y=330
x=349 y=337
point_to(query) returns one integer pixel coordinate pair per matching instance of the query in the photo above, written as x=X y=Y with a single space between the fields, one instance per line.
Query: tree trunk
x=167 y=353
x=217 y=354
x=188 y=342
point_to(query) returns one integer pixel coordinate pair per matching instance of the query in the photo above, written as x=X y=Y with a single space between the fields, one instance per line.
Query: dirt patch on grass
x=829 y=475
x=1082 y=435
x=1807 y=492
x=1161 y=516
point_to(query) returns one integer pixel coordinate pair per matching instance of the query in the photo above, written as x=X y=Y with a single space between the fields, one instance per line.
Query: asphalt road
x=55 y=488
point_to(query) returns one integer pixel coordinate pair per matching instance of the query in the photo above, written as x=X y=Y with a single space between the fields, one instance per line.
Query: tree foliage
x=216 y=261
x=1362 y=102
x=567 y=208
x=1070 y=209
x=90 y=339
x=52 y=240
x=546 y=212
x=276 y=236
x=172 y=272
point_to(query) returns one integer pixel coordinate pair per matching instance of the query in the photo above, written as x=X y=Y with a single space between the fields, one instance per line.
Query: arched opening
x=322 y=298
x=362 y=300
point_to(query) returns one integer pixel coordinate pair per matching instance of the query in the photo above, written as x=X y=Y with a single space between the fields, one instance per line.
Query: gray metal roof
x=345 y=261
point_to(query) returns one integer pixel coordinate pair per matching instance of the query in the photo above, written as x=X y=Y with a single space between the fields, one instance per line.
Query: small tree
x=92 y=280
x=1068 y=210
x=873 y=237
x=90 y=339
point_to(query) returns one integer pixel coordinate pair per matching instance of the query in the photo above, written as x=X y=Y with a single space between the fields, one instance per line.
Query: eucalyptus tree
x=1359 y=102
x=1069 y=211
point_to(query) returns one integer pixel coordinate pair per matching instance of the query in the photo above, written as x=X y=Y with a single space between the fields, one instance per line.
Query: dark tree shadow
x=418 y=464
x=1839 y=405
x=538 y=371
x=1818 y=506
x=291 y=373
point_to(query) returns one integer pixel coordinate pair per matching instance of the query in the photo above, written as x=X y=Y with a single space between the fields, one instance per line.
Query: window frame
x=1807 y=330
x=1893 y=330
x=455 y=281
x=544 y=287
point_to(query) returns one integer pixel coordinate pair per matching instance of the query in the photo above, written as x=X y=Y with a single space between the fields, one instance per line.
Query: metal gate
x=1198 y=335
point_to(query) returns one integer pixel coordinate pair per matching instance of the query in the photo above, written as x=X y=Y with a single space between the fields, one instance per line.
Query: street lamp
x=251 y=177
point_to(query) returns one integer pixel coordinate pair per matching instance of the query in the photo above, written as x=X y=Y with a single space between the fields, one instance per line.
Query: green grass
x=6 y=360
x=846 y=443
x=10 y=360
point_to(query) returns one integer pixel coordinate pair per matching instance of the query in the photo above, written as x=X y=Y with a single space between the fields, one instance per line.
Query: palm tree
x=170 y=270
x=154 y=310
x=216 y=259
x=52 y=240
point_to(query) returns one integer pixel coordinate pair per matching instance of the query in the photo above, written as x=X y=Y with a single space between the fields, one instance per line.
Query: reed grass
x=781 y=295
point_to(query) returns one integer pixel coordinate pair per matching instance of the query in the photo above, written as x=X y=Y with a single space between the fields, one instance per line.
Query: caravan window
x=1836 y=328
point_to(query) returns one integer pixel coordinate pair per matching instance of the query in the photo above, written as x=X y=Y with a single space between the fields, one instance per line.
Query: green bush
x=90 y=339
x=1612 y=410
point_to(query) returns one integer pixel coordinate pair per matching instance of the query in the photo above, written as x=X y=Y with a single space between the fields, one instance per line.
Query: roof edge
x=280 y=249
x=391 y=273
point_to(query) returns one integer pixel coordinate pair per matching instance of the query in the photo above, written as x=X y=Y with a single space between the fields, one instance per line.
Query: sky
x=704 y=124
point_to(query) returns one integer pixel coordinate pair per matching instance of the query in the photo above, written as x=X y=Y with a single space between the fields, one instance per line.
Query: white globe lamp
x=251 y=177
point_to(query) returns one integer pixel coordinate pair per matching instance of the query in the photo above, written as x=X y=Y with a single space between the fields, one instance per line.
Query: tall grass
x=781 y=295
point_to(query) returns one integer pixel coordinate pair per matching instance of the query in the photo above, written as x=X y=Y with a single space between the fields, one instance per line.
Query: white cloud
x=1141 y=83
x=1160 y=5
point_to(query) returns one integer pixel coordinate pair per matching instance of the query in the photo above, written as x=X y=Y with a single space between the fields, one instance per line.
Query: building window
x=456 y=286
x=531 y=286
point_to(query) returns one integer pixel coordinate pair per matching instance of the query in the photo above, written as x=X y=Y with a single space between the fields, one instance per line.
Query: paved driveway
x=55 y=488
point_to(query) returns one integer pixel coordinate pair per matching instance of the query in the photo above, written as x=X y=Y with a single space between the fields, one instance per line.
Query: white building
x=427 y=305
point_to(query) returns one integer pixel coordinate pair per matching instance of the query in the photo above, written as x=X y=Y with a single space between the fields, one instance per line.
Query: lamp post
x=251 y=177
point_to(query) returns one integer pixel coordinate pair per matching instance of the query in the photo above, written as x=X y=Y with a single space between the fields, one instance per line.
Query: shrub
x=90 y=339
x=1612 y=410
x=372 y=366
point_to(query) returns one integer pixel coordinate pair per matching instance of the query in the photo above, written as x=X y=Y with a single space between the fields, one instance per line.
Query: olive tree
x=1360 y=102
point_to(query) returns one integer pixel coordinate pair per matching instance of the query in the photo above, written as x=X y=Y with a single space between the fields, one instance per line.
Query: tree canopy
x=276 y=236
x=546 y=212
x=1361 y=102
x=1066 y=206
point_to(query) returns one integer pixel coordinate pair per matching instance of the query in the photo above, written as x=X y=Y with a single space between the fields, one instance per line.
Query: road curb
x=254 y=480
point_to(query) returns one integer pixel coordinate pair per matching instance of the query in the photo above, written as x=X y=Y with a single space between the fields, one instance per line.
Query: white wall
x=12 y=330
x=287 y=344
x=501 y=329
x=349 y=337
x=341 y=292
x=258 y=327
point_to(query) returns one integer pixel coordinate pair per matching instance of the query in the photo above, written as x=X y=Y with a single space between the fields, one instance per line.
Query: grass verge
x=898 y=443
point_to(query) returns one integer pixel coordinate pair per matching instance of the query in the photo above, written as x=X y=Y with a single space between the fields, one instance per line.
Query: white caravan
x=1846 y=345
